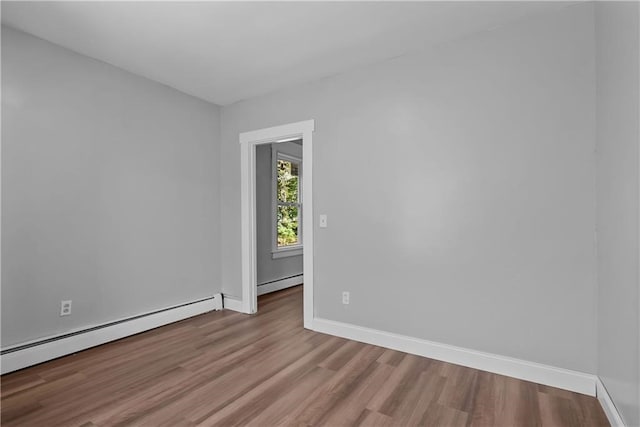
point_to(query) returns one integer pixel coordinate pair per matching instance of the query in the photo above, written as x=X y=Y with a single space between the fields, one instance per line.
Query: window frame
x=291 y=250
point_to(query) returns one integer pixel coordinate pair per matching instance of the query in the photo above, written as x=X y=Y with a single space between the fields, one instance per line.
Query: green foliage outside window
x=287 y=192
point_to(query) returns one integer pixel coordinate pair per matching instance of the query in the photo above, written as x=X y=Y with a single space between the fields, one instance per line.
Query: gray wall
x=459 y=188
x=110 y=192
x=618 y=133
x=269 y=269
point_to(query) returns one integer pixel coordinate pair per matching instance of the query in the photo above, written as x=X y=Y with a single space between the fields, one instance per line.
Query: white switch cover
x=323 y=221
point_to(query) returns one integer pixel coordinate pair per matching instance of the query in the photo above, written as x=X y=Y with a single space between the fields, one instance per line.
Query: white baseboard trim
x=280 y=284
x=610 y=410
x=511 y=367
x=42 y=350
x=231 y=303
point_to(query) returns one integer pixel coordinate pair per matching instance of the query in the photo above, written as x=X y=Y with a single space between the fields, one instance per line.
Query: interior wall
x=110 y=194
x=618 y=136
x=458 y=184
x=270 y=269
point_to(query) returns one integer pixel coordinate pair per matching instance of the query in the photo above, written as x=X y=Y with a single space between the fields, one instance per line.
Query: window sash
x=277 y=248
x=279 y=190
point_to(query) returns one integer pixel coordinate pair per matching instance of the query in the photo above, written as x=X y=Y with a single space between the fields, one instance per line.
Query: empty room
x=320 y=213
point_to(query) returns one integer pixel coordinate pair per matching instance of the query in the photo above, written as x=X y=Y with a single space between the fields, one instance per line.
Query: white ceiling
x=224 y=52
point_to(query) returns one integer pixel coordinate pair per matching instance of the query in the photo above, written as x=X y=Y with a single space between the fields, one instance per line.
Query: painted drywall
x=270 y=269
x=459 y=188
x=618 y=136
x=110 y=193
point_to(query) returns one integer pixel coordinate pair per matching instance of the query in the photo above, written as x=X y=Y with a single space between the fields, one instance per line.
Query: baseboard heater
x=44 y=349
x=276 y=285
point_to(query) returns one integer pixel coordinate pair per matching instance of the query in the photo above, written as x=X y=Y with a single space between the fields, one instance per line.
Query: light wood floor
x=225 y=368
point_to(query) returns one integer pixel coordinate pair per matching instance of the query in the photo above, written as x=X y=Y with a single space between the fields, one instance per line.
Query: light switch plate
x=323 y=221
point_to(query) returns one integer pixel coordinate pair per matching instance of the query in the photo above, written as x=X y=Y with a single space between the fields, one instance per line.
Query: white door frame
x=248 y=143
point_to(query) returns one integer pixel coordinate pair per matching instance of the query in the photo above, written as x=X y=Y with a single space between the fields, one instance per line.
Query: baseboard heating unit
x=48 y=348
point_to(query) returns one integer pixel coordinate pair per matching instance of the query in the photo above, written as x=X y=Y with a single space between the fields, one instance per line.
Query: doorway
x=279 y=197
x=301 y=131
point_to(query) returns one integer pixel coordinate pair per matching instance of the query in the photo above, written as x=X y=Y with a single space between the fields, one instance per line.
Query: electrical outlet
x=65 y=308
x=345 y=297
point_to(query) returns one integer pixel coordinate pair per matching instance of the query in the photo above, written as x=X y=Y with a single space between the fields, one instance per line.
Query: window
x=287 y=221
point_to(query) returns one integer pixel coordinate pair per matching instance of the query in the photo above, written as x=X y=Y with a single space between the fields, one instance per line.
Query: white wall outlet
x=65 y=308
x=345 y=297
x=323 y=221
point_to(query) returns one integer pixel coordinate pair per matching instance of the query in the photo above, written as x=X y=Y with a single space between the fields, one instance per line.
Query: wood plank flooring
x=225 y=368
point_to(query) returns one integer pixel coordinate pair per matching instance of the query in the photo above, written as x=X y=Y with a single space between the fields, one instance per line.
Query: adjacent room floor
x=226 y=368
